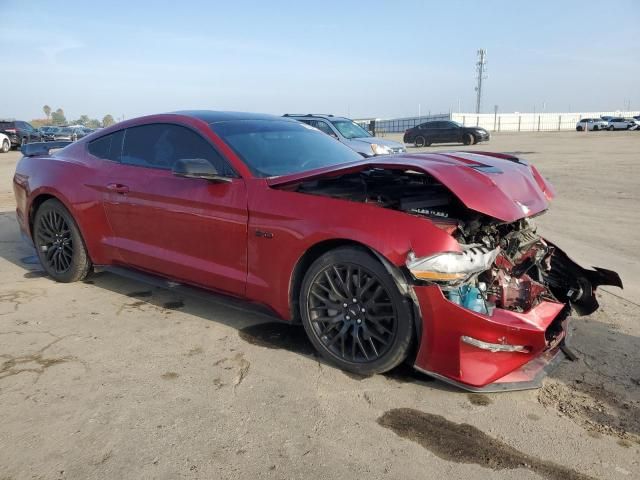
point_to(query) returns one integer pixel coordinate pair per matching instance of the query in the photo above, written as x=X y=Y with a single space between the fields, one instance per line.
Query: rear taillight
x=10 y=130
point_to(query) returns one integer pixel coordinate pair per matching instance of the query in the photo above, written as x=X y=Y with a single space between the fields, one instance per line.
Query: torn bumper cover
x=500 y=349
x=447 y=353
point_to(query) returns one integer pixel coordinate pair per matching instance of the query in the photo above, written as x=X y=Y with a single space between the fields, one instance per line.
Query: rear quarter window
x=108 y=147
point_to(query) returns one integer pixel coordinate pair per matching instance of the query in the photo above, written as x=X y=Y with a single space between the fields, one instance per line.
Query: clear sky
x=356 y=58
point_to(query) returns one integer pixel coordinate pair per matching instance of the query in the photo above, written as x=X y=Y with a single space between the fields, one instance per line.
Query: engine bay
x=407 y=191
x=517 y=280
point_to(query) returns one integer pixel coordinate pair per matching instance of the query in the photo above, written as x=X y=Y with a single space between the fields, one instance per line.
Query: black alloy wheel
x=354 y=313
x=59 y=244
x=54 y=238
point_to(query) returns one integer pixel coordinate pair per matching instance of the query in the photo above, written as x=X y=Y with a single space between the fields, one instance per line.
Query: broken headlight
x=452 y=266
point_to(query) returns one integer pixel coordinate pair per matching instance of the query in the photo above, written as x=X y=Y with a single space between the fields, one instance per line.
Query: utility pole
x=480 y=68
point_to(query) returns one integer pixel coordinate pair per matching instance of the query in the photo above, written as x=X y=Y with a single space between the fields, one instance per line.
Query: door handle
x=118 y=188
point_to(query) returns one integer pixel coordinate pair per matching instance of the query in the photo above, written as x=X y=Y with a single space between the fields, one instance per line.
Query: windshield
x=280 y=147
x=457 y=124
x=349 y=129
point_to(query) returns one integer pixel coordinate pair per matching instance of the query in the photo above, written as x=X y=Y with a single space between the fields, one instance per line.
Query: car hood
x=498 y=185
x=378 y=141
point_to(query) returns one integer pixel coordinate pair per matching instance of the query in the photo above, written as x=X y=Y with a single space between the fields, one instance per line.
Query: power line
x=481 y=69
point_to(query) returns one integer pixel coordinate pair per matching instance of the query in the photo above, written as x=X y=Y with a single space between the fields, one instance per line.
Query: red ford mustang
x=428 y=258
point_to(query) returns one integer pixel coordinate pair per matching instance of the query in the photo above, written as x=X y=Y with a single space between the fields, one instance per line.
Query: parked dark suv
x=20 y=132
x=445 y=131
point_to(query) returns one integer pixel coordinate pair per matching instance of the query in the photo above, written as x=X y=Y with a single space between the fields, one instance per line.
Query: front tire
x=610 y=128
x=353 y=312
x=59 y=244
x=420 y=142
x=468 y=139
x=579 y=129
x=6 y=146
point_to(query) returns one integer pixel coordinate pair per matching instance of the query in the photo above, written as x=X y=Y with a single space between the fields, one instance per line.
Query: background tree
x=108 y=120
x=93 y=123
x=83 y=120
x=47 y=111
x=58 y=118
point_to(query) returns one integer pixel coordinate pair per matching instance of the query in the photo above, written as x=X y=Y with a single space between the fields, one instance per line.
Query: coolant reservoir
x=474 y=300
x=470 y=298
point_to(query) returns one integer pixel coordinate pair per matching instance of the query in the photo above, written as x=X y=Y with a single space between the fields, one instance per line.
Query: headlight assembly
x=451 y=266
x=380 y=149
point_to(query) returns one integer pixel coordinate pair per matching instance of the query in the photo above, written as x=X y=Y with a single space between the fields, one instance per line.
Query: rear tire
x=6 y=146
x=610 y=128
x=579 y=129
x=59 y=244
x=353 y=312
x=469 y=139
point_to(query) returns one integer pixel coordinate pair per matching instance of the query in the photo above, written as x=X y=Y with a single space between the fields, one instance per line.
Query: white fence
x=530 y=122
x=500 y=122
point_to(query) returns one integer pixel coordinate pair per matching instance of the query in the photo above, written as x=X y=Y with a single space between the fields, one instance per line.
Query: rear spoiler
x=41 y=148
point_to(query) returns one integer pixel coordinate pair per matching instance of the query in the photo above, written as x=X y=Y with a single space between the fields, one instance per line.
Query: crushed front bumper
x=445 y=355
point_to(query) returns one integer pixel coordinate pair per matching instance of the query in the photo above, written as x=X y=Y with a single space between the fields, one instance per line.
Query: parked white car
x=5 y=143
x=591 y=124
x=619 y=123
x=635 y=123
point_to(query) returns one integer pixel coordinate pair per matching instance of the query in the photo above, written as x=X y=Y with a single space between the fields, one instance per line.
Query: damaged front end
x=510 y=266
x=507 y=296
x=494 y=311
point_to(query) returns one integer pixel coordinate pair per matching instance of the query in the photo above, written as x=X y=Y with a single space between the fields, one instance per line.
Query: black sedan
x=445 y=131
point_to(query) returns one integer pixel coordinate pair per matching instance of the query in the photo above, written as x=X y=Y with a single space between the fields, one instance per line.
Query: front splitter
x=528 y=377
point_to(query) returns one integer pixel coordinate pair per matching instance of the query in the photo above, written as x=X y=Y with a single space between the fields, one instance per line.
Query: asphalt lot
x=114 y=379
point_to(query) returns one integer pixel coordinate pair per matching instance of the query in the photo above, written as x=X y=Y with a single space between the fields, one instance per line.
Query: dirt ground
x=115 y=379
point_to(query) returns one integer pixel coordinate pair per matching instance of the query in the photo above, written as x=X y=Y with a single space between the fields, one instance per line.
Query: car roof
x=213 y=116
x=325 y=116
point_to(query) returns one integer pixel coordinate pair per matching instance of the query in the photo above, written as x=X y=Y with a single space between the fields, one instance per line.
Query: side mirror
x=197 y=168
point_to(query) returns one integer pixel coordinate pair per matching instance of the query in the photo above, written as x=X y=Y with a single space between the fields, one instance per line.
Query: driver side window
x=160 y=145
